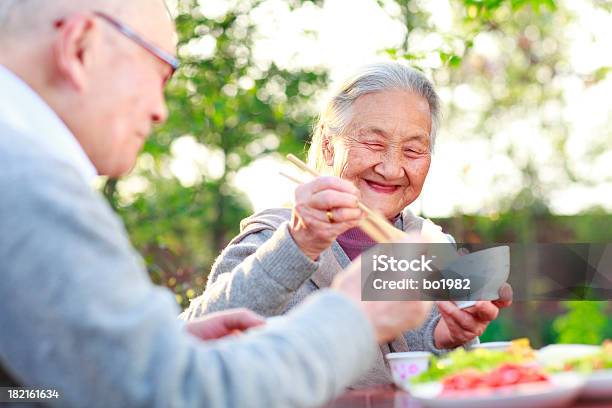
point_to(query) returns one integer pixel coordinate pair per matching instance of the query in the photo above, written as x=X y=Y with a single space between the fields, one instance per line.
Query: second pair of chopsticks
x=375 y=225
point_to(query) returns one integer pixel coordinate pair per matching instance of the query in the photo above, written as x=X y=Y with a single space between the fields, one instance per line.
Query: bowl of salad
x=592 y=362
x=493 y=378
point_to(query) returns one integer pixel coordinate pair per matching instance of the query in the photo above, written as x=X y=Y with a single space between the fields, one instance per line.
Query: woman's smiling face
x=386 y=149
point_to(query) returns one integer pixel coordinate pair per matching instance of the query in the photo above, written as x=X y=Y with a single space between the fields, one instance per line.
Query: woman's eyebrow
x=417 y=136
x=404 y=138
x=373 y=129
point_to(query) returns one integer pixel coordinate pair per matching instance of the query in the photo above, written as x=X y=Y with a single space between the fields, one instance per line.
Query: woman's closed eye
x=374 y=145
x=414 y=152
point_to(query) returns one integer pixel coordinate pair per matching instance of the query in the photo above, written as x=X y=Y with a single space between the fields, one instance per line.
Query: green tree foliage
x=585 y=322
x=521 y=81
x=238 y=109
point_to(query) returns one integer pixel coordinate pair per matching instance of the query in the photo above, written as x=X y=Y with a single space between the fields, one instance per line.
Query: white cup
x=406 y=365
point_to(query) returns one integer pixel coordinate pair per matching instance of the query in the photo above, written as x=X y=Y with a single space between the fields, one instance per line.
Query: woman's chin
x=378 y=204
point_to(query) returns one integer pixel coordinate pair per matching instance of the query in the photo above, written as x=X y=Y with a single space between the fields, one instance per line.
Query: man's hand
x=221 y=324
x=388 y=319
x=458 y=326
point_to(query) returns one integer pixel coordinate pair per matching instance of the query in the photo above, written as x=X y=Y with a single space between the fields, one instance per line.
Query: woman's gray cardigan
x=264 y=270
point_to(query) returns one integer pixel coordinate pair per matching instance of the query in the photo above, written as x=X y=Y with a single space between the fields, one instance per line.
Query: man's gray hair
x=336 y=118
x=8 y=10
x=28 y=17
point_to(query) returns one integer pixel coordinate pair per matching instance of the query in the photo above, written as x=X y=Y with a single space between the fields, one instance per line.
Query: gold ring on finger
x=330 y=216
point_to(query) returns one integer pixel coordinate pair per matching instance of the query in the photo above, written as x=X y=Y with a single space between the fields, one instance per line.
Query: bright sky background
x=462 y=175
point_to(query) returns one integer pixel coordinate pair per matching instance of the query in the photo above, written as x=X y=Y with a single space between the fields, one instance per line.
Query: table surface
x=391 y=397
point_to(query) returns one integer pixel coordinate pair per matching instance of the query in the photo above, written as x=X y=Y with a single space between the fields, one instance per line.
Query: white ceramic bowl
x=493 y=345
x=598 y=383
x=559 y=353
x=406 y=365
x=559 y=392
x=487 y=271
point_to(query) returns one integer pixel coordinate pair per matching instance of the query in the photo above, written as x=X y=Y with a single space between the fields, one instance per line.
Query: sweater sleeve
x=81 y=316
x=422 y=338
x=260 y=272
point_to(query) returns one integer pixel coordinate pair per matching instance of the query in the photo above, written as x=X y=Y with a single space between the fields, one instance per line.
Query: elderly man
x=82 y=83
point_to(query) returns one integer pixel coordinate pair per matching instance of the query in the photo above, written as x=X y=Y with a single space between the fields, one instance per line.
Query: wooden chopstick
x=376 y=226
x=374 y=232
x=294 y=179
x=379 y=221
x=301 y=165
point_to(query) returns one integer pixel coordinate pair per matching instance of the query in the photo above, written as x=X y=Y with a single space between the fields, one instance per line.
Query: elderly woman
x=375 y=139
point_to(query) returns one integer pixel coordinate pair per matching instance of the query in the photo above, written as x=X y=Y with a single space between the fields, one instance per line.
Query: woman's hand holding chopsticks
x=324 y=208
x=374 y=224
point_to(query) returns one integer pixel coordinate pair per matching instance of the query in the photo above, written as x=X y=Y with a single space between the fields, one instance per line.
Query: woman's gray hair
x=335 y=118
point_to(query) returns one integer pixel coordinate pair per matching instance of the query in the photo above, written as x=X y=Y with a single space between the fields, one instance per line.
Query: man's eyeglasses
x=132 y=35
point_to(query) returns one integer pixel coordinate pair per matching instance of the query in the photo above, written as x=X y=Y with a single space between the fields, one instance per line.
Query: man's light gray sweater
x=80 y=314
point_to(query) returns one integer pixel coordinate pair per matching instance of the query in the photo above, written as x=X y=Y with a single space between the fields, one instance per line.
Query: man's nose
x=159 y=113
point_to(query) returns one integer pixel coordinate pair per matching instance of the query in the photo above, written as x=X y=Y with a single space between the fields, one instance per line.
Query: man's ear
x=327 y=147
x=72 y=49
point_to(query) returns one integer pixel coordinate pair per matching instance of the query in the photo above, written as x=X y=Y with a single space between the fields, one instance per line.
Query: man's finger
x=463 y=251
x=242 y=319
